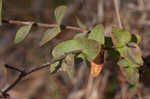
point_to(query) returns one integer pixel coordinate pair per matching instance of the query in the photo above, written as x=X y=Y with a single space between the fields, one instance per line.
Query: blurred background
x=135 y=18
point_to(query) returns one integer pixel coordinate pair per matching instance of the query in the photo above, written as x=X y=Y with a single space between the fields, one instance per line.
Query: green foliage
x=0 y=12
x=53 y=67
x=125 y=63
x=132 y=75
x=59 y=13
x=121 y=46
x=132 y=53
x=131 y=70
x=97 y=34
x=80 y=35
x=22 y=33
x=49 y=35
x=90 y=48
x=68 y=66
x=64 y=47
x=120 y=37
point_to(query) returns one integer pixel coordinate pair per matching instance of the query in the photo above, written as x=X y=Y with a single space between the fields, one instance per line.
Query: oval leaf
x=126 y=63
x=120 y=37
x=22 y=33
x=0 y=12
x=132 y=75
x=49 y=35
x=64 y=47
x=90 y=48
x=135 y=53
x=97 y=34
x=59 y=13
x=132 y=53
x=68 y=66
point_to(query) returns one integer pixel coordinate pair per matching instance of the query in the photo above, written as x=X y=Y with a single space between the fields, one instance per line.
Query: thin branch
x=36 y=68
x=37 y=24
x=13 y=84
x=117 y=13
x=13 y=68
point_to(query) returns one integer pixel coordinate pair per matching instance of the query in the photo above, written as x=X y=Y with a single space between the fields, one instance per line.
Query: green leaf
x=22 y=33
x=80 y=24
x=123 y=63
x=59 y=13
x=131 y=71
x=126 y=63
x=90 y=48
x=50 y=34
x=80 y=35
x=120 y=37
x=0 y=12
x=64 y=47
x=54 y=67
x=132 y=53
x=68 y=66
x=132 y=75
x=97 y=34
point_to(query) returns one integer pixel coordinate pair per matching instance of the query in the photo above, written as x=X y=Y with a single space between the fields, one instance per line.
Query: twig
x=13 y=68
x=117 y=13
x=25 y=73
x=13 y=84
x=17 y=22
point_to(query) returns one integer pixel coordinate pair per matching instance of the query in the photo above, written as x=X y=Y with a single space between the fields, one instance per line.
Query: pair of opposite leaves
x=23 y=31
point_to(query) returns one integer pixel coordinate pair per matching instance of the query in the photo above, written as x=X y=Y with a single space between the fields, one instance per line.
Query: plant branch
x=13 y=68
x=13 y=84
x=117 y=13
x=17 y=22
x=25 y=73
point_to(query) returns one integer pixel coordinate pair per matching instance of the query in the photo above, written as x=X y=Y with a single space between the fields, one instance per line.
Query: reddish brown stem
x=17 y=22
